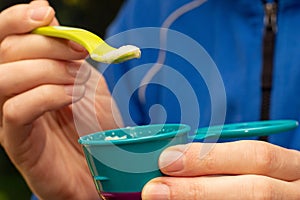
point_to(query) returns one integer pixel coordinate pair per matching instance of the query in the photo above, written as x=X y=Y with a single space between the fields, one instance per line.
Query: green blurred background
x=93 y=15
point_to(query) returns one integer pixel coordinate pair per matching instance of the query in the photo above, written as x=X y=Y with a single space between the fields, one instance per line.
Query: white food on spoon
x=118 y=53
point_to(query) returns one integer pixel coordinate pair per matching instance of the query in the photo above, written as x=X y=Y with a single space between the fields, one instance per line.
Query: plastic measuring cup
x=122 y=161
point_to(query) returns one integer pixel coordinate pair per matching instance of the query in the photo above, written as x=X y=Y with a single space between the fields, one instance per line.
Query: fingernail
x=156 y=191
x=76 y=47
x=171 y=160
x=40 y=13
x=76 y=91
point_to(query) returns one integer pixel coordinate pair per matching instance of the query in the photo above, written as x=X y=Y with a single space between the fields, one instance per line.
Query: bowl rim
x=180 y=130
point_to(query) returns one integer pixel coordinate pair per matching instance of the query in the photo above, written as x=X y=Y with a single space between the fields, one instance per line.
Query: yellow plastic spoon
x=98 y=49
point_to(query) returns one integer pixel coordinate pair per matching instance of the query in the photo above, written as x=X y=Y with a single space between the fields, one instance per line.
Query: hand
x=42 y=79
x=236 y=170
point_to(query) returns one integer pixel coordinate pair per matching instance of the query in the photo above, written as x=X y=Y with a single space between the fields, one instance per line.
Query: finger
x=24 y=75
x=38 y=101
x=23 y=18
x=44 y=3
x=14 y=48
x=246 y=187
x=21 y=110
x=39 y=2
x=242 y=157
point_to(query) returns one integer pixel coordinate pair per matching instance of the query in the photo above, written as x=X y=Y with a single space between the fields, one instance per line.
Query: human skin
x=38 y=133
x=37 y=127
x=237 y=170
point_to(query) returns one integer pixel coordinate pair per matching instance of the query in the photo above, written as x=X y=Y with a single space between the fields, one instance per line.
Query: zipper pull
x=270 y=19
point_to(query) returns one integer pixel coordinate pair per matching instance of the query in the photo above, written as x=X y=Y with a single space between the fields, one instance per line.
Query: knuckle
x=209 y=163
x=209 y=160
x=265 y=157
x=6 y=47
x=197 y=191
x=261 y=189
x=10 y=112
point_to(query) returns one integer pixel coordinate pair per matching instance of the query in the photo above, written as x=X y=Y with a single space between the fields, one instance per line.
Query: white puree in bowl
x=115 y=137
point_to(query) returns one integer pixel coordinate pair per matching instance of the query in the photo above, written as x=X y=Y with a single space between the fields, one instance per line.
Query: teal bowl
x=124 y=160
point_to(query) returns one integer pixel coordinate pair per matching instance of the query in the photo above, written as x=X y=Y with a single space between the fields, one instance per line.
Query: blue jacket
x=231 y=33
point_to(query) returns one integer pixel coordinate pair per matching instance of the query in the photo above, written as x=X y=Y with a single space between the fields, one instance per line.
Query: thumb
x=24 y=18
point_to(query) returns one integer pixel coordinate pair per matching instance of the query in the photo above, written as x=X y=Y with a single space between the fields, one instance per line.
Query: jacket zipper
x=269 y=36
